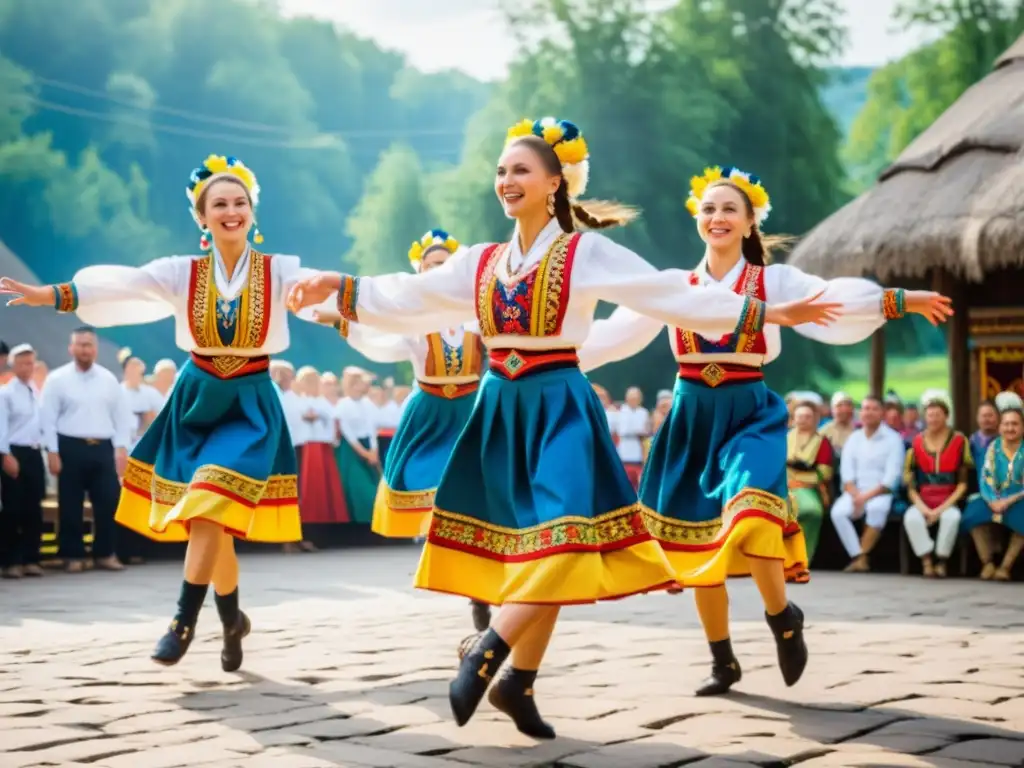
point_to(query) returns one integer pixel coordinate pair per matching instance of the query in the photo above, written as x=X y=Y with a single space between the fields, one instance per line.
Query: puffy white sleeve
x=376 y=345
x=865 y=304
x=621 y=335
x=291 y=271
x=108 y=295
x=617 y=275
x=414 y=304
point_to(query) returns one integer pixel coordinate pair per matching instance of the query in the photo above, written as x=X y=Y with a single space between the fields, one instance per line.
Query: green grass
x=909 y=377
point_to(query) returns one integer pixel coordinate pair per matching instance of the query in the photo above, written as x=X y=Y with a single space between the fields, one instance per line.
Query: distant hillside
x=846 y=93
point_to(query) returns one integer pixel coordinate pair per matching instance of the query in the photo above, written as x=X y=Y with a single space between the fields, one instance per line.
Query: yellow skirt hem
x=565 y=578
x=751 y=537
x=277 y=524
x=398 y=523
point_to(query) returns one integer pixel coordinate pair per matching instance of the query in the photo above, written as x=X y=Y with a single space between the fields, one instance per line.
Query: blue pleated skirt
x=219 y=450
x=534 y=505
x=715 y=484
x=423 y=441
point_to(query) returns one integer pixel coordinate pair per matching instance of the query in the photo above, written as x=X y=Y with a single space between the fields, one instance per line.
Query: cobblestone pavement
x=348 y=666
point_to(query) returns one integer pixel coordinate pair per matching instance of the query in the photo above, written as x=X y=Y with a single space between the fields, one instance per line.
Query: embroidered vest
x=535 y=303
x=750 y=283
x=239 y=323
x=447 y=361
x=936 y=474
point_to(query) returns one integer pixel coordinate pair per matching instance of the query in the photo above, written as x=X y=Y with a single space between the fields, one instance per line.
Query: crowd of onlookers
x=865 y=468
x=861 y=468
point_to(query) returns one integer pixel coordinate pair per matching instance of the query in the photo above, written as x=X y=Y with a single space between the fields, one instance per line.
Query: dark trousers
x=21 y=519
x=87 y=467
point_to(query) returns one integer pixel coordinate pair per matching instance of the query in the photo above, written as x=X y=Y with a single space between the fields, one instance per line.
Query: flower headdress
x=568 y=143
x=217 y=167
x=1009 y=401
x=748 y=182
x=435 y=238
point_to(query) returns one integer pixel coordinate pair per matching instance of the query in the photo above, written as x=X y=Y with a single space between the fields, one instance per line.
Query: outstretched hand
x=934 y=307
x=26 y=295
x=313 y=290
x=802 y=311
x=325 y=317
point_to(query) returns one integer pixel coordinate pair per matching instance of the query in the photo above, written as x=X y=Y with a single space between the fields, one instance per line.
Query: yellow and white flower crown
x=216 y=167
x=435 y=238
x=748 y=182
x=1009 y=401
x=566 y=139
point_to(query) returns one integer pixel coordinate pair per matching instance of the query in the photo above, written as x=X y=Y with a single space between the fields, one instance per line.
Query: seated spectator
x=838 y=430
x=911 y=422
x=1001 y=502
x=987 y=419
x=809 y=473
x=935 y=474
x=869 y=467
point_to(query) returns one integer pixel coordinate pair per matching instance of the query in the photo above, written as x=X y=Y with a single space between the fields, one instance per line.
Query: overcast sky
x=470 y=35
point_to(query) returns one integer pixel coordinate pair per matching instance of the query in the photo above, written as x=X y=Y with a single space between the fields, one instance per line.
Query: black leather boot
x=231 y=652
x=513 y=695
x=477 y=667
x=481 y=616
x=236 y=626
x=788 y=628
x=725 y=670
x=174 y=644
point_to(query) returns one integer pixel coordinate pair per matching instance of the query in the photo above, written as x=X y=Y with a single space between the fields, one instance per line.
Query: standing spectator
x=633 y=424
x=838 y=430
x=357 y=455
x=870 y=469
x=22 y=476
x=937 y=467
x=144 y=402
x=330 y=389
x=39 y=374
x=320 y=496
x=165 y=373
x=86 y=428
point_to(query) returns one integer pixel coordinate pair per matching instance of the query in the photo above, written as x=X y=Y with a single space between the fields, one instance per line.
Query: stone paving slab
x=347 y=666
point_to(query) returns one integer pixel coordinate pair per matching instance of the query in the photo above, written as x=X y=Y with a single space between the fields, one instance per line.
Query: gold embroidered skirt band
x=230 y=366
x=449 y=391
x=719 y=374
x=518 y=363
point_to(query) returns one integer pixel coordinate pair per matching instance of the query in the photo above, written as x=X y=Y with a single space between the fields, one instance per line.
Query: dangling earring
x=551 y=204
x=204 y=241
x=257 y=236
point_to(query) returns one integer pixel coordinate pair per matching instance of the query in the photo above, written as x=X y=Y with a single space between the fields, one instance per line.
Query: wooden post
x=957 y=332
x=876 y=377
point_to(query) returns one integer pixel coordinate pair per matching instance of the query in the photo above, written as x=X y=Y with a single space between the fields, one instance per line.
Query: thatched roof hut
x=948 y=213
x=47 y=331
x=953 y=200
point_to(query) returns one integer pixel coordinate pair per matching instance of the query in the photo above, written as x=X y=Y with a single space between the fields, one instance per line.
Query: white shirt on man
x=869 y=462
x=20 y=422
x=88 y=404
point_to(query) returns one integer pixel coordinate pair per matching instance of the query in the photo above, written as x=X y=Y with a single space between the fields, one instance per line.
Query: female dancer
x=1001 y=501
x=714 y=487
x=534 y=509
x=447 y=367
x=218 y=461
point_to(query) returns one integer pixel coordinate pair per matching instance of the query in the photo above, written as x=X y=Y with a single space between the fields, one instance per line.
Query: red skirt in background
x=320 y=496
x=634 y=471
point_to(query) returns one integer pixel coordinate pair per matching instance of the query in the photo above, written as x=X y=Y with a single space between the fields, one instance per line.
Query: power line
x=319 y=141
x=193 y=116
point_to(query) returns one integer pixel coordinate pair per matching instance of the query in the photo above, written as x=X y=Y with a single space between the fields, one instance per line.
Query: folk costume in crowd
x=358 y=453
x=321 y=499
x=809 y=473
x=936 y=473
x=218 y=461
x=447 y=366
x=534 y=506
x=1001 y=501
x=714 y=489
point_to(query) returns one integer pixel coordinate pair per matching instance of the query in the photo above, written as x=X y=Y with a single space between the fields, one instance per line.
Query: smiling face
x=224 y=208
x=524 y=179
x=1011 y=426
x=724 y=217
